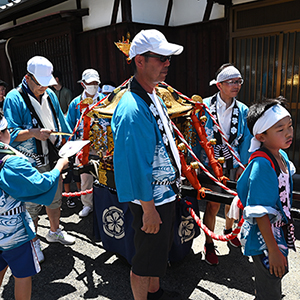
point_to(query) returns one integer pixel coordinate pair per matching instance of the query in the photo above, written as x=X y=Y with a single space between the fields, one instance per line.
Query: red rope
x=214 y=121
x=77 y=194
x=88 y=109
x=223 y=238
x=207 y=231
x=200 y=164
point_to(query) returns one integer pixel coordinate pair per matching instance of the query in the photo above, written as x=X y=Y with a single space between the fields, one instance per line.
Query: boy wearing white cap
x=231 y=116
x=146 y=163
x=90 y=81
x=265 y=190
x=33 y=112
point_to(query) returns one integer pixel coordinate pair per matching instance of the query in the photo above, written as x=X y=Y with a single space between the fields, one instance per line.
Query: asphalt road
x=87 y=271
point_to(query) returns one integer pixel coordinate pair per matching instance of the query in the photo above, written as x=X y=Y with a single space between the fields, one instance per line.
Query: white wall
x=192 y=11
x=149 y=11
x=100 y=12
x=143 y=11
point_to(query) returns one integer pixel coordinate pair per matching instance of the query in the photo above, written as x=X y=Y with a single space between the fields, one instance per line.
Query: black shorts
x=267 y=285
x=152 y=250
x=69 y=177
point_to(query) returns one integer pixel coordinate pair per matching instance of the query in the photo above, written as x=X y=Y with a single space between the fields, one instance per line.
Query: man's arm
x=41 y=134
x=277 y=260
x=151 y=218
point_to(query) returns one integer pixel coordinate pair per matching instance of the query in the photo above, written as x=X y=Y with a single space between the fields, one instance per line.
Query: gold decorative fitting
x=96 y=127
x=176 y=107
x=87 y=100
x=124 y=46
x=197 y=98
x=203 y=118
x=170 y=89
x=106 y=111
x=221 y=160
x=213 y=141
x=181 y=146
x=94 y=113
x=102 y=177
x=117 y=90
x=195 y=165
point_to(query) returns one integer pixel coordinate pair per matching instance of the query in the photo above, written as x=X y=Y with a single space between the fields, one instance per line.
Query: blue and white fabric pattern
x=140 y=157
x=240 y=143
x=259 y=193
x=19 y=183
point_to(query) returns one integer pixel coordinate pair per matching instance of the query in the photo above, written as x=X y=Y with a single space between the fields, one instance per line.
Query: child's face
x=279 y=136
x=5 y=136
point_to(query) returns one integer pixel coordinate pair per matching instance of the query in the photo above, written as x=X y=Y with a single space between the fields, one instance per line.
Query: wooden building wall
x=205 y=49
x=72 y=51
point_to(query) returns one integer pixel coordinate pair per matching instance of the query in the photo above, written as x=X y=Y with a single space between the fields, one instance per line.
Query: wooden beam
x=126 y=11
x=115 y=12
x=168 y=14
x=208 y=10
x=26 y=8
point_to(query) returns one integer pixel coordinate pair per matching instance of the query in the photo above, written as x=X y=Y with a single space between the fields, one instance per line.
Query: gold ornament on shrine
x=124 y=46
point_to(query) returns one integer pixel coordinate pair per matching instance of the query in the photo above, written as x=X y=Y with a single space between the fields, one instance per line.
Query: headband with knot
x=269 y=118
x=226 y=74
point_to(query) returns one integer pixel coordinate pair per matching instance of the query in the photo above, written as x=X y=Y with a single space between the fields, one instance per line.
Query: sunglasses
x=234 y=82
x=162 y=58
x=34 y=80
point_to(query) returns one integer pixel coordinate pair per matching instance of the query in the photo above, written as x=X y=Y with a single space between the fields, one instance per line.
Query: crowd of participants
x=147 y=175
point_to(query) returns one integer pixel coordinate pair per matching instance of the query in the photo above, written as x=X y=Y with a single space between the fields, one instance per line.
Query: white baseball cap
x=106 y=88
x=90 y=75
x=154 y=41
x=41 y=68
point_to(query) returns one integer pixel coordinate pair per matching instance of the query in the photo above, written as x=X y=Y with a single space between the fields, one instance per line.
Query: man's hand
x=62 y=164
x=151 y=218
x=41 y=134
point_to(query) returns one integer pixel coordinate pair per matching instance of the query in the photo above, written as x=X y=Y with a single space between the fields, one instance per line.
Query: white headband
x=270 y=117
x=226 y=74
x=3 y=124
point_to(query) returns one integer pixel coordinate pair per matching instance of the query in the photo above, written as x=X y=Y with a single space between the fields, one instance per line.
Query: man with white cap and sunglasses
x=90 y=81
x=146 y=163
x=231 y=115
x=33 y=113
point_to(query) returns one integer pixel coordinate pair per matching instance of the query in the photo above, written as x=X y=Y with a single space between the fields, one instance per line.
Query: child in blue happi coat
x=20 y=183
x=266 y=195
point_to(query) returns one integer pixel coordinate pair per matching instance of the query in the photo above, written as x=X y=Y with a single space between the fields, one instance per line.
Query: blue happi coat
x=140 y=157
x=240 y=145
x=20 y=183
x=259 y=193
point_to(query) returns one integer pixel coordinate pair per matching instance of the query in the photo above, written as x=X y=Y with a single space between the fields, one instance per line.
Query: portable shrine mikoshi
x=188 y=116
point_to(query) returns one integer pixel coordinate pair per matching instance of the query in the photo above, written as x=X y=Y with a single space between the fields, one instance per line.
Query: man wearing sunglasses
x=33 y=111
x=144 y=149
x=231 y=116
